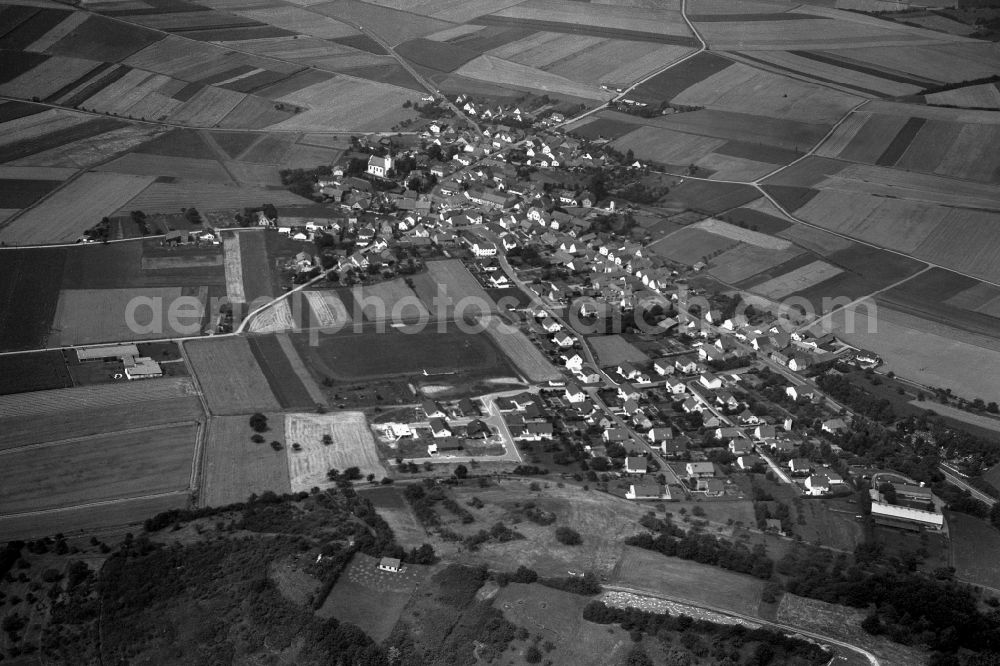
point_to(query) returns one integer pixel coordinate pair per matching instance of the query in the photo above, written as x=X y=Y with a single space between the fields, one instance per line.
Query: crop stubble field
x=353 y=445
x=230 y=377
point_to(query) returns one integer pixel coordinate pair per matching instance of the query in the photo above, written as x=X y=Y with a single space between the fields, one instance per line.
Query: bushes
x=568 y=536
x=586 y=585
x=707 y=549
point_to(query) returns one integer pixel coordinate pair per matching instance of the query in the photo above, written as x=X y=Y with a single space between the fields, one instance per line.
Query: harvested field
x=711 y=198
x=86 y=152
x=48 y=77
x=353 y=446
x=230 y=377
x=691 y=245
x=867 y=82
x=65 y=214
x=233 y=263
x=765 y=241
x=689 y=580
x=277 y=317
x=100 y=38
x=666 y=146
x=597 y=127
x=966 y=241
x=612 y=350
x=326 y=309
x=85 y=316
x=739 y=87
x=300 y=21
x=441 y=56
x=797 y=280
x=726 y=167
x=611 y=17
x=617 y=62
x=391 y=25
x=106 y=467
x=745 y=261
x=959 y=60
x=286 y=384
x=504 y=72
x=815 y=239
x=398 y=352
x=520 y=351
x=234 y=467
x=21 y=193
x=43 y=403
x=70 y=424
x=207 y=108
x=910 y=186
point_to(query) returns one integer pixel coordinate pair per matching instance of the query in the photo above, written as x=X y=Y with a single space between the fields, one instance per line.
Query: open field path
x=872 y=659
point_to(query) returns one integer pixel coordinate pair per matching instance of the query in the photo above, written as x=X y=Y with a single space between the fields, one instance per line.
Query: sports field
x=109 y=466
x=614 y=349
x=234 y=467
x=230 y=377
x=353 y=445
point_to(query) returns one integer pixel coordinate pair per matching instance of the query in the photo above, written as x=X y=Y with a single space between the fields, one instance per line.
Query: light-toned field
x=192 y=60
x=299 y=368
x=233 y=263
x=66 y=26
x=230 y=377
x=797 y=280
x=347 y=103
x=807 y=34
x=41 y=403
x=47 y=77
x=880 y=106
x=727 y=167
x=899 y=184
x=310 y=51
x=234 y=466
x=277 y=317
x=983 y=96
x=77 y=206
x=119 y=96
x=35 y=173
x=516 y=346
x=684 y=579
x=261 y=175
x=391 y=25
x=748 y=236
x=971 y=155
x=542 y=49
x=391 y=300
x=744 y=261
x=658 y=21
x=85 y=316
x=456 y=11
x=39 y=124
x=818 y=241
x=188 y=168
x=327 y=310
x=895 y=223
x=741 y=88
x=93 y=150
x=868 y=141
x=614 y=349
x=691 y=245
x=71 y=423
x=105 y=467
x=926 y=352
x=353 y=446
x=301 y=21
x=454 y=280
x=169 y=197
x=504 y=72
x=667 y=146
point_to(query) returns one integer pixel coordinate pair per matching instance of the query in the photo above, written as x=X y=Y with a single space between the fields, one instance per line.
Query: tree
x=568 y=536
x=327 y=439
x=461 y=472
x=258 y=422
x=192 y=215
x=533 y=655
x=352 y=474
x=257 y=438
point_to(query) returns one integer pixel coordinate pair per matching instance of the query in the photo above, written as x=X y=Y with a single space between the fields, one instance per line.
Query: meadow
x=613 y=350
x=234 y=467
x=521 y=351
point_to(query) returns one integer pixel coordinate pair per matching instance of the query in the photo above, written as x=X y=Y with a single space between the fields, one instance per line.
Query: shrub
x=568 y=536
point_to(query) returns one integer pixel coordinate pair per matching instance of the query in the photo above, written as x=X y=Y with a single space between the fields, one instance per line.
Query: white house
x=379 y=166
x=482 y=248
x=647 y=489
x=391 y=564
x=817 y=484
x=574 y=393
x=635 y=465
x=710 y=381
x=563 y=339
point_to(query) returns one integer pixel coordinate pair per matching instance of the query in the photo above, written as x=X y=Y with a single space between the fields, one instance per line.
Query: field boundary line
x=70 y=440
x=89 y=505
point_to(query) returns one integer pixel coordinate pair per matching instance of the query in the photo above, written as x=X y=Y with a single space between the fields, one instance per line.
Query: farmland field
x=70 y=520
x=230 y=377
x=353 y=446
x=106 y=467
x=505 y=72
x=982 y=96
x=797 y=280
x=285 y=383
x=36 y=371
x=391 y=301
x=94 y=421
x=745 y=261
x=42 y=403
x=326 y=309
x=29 y=292
x=614 y=349
x=666 y=146
x=691 y=245
x=76 y=207
x=452 y=279
x=109 y=315
x=396 y=352
x=234 y=466
x=276 y=317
